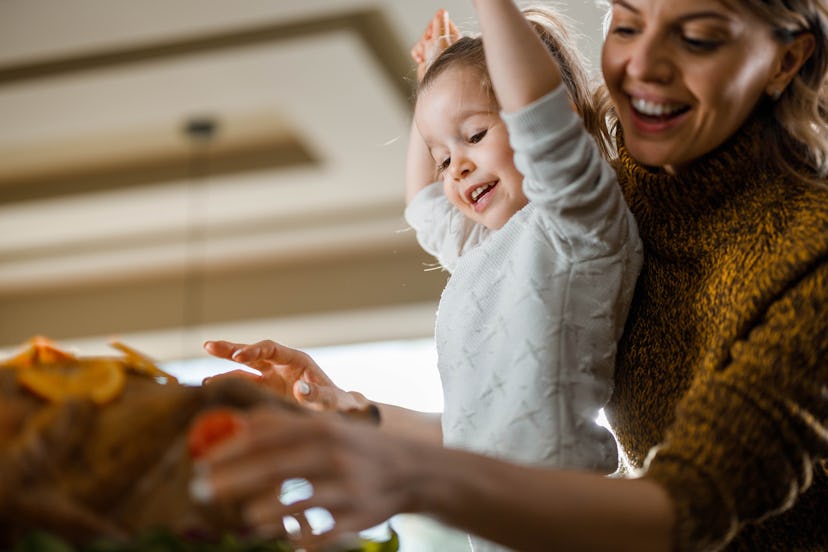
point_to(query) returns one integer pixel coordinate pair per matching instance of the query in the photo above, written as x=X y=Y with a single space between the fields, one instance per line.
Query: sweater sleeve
x=441 y=229
x=567 y=179
x=746 y=439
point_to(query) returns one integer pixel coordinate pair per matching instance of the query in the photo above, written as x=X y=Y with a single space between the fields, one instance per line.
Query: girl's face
x=684 y=75
x=469 y=143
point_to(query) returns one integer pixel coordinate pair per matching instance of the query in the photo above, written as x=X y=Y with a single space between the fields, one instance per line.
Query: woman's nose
x=650 y=60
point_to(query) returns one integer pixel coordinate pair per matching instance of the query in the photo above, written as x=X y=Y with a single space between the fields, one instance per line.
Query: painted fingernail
x=200 y=490
x=304 y=388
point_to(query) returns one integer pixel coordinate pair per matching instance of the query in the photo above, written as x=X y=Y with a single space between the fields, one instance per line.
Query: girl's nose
x=460 y=167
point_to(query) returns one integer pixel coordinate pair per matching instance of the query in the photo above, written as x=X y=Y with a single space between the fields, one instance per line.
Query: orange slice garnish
x=38 y=350
x=100 y=380
x=139 y=363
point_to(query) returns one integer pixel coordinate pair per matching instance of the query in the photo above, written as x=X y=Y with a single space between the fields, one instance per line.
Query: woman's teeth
x=479 y=191
x=654 y=109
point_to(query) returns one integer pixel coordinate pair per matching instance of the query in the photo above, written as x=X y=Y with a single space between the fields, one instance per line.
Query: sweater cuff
x=419 y=209
x=541 y=118
x=694 y=499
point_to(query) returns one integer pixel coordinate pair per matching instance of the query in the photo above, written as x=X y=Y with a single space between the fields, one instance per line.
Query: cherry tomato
x=211 y=428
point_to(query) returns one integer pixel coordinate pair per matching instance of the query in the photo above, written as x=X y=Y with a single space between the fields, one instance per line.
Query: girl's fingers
x=449 y=33
x=436 y=28
x=453 y=32
x=417 y=53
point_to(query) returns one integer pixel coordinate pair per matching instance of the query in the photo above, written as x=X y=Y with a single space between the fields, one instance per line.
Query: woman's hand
x=439 y=35
x=290 y=373
x=361 y=477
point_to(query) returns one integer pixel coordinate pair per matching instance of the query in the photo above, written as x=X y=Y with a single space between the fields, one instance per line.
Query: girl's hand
x=360 y=477
x=439 y=35
x=290 y=373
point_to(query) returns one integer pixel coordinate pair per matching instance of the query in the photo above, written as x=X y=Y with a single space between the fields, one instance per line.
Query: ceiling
x=172 y=171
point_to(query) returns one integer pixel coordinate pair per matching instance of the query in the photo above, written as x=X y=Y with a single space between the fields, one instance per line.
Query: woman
x=721 y=394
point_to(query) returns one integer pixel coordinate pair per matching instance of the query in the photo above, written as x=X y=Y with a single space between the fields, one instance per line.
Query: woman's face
x=685 y=74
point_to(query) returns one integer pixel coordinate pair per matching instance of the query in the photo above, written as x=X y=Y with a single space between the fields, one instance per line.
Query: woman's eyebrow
x=625 y=4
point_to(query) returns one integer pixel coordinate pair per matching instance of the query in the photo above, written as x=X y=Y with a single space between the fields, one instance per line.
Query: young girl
x=543 y=253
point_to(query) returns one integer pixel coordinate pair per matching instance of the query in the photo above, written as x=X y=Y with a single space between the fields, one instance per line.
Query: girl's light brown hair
x=591 y=100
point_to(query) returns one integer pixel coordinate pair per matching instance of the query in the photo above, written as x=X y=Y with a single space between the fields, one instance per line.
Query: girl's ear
x=792 y=56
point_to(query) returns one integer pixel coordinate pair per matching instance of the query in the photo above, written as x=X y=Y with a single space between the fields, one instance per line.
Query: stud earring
x=776 y=94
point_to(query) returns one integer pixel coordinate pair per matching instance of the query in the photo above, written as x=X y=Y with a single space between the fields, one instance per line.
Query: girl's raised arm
x=521 y=68
x=420 y=168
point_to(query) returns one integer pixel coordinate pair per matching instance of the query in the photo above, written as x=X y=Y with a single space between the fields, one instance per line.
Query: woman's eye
x=477 y=137
x=622 y=30
x=700 y=44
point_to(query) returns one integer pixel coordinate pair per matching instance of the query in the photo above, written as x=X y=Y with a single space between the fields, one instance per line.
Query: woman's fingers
x=227 y=350
x=324 y=397
x=264 y=513
x=290 y=373
x=352 y=474
x=308 y=394
x=221 y=349
x=272 y=447
x=262 y=353
x=256 y=378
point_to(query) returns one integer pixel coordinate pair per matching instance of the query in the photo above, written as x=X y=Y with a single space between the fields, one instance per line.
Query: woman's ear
x=792 y=56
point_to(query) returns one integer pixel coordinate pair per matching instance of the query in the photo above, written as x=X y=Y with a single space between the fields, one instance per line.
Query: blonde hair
x=591 y=99
x=801 y=112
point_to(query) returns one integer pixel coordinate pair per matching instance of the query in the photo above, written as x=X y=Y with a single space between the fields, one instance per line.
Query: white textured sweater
x=527 y=325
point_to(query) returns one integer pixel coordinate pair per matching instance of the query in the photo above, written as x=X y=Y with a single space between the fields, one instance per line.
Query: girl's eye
x=443 y=165
x=477 y=137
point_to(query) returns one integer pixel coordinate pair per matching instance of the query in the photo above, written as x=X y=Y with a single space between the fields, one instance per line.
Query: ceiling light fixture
x=200 y=132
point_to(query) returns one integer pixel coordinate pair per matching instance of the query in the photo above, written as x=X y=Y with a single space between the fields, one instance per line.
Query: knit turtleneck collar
x=672 y=210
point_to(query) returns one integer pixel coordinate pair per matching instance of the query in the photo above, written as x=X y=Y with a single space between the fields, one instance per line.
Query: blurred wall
x=175 y=171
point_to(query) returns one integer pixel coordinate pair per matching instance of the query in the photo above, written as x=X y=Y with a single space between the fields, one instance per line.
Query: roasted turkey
x=97 y=447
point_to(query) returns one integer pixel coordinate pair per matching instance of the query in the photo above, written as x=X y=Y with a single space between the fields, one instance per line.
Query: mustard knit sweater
x=722 y=381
